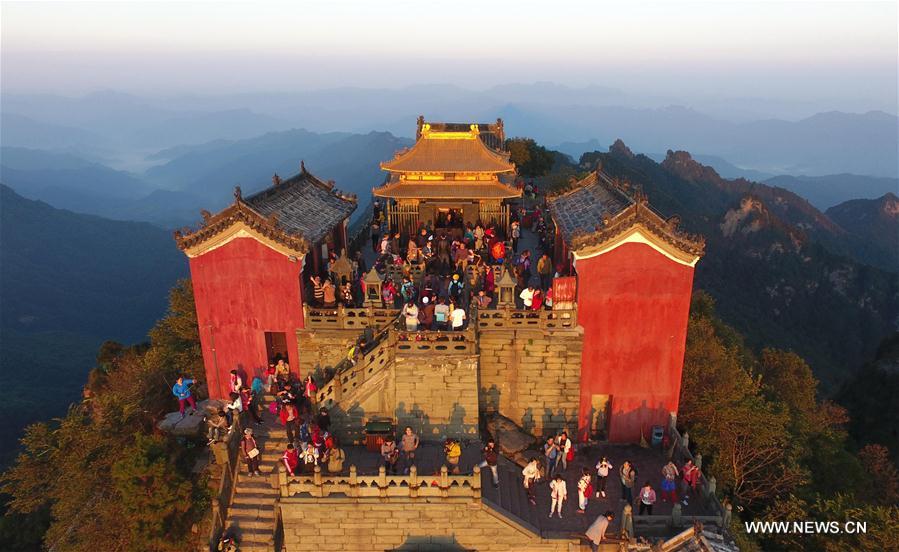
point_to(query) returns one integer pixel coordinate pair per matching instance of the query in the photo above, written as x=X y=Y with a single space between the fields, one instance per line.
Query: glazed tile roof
x=303 y=205
x=441 y=151
x=584 y=208
x=596 y=210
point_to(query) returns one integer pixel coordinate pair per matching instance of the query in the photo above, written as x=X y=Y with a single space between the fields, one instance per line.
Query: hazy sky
x=840 y=51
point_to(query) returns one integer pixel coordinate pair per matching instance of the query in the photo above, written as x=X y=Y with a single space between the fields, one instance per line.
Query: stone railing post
x=413 y=481
x=627 y=521
x=697 y=459
x=676 y=515
x=282 y=481
x=711 y=486
x=726 y=517
x=685 y=441
x=382 y=482
x=354 y=482
x=317 y=481
x=444 y=481
x=476 y=483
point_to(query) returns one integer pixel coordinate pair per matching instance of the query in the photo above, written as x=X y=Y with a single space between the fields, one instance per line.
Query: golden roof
x=449 y=152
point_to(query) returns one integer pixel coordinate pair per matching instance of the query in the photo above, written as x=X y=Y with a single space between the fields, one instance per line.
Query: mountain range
x=113 y=125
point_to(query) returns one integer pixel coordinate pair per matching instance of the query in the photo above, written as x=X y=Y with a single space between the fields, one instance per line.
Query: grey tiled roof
x=304 y=205
x=584 y=207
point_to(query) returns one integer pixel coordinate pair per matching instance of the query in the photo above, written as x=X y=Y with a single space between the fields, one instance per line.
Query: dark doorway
x=276 y=346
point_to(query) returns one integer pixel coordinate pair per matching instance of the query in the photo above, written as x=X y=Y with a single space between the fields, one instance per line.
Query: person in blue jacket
x=181 y=390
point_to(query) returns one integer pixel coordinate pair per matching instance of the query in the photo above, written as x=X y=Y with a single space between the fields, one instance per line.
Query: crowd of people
x=592 y=483
x=435 y=275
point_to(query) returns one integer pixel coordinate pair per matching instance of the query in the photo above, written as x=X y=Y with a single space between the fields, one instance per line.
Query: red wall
x=633 y=303
x=242 y=290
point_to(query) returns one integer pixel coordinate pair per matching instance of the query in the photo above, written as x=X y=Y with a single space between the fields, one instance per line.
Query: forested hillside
x=69 y=282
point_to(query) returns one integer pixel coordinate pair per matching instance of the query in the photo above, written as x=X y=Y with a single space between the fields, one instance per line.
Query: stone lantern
x=506 y=290
x=343 y=268
x=372 y=282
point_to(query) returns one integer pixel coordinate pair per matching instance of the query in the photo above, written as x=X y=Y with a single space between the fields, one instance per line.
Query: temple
x=564 y=314
x=454 y=174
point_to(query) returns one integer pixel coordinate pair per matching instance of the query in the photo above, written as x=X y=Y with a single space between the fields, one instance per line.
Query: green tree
x=154 y=497
x=106 y=482
x=531 y=160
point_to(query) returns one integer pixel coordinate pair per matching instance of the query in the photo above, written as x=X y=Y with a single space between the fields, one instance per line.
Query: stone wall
x=437 y=394
x=532 y=377
x=358 y=525
x=321 y=349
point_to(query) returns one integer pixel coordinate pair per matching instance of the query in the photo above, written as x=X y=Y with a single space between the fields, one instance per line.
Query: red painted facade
x=633 y=303
x=242 y=290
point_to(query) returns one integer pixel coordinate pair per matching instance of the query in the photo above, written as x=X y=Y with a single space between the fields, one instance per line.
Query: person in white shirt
x=559 y=492
x=602 y=473
x=457 y=315
x=527 y=295
x=531 y=473
x=584 y=489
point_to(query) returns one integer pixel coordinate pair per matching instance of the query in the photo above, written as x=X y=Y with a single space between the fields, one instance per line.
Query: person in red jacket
x=291 y=460
x=290 y=419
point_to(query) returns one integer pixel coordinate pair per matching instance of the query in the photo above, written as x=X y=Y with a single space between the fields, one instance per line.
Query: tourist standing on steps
x=628 y=475
x=291 y=460
x=248 y=399
x=603 y=467
x=290 y=419
x=389 y=455
x=597 y=530
x=551 y=451
x=584 y=490
x=647 y=498
x=410 y=444
x=323 y=420
x=531 y=474
x=234 y=408
x=236 y=382
x=491 y=457
x=559 y=492
x=181 y=390
x=669 y=482
x=250 y=452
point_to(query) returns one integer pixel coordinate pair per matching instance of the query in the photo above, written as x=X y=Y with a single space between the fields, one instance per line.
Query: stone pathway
x=252 y=514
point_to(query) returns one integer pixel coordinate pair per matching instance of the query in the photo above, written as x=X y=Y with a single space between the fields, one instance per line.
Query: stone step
x=267 y=499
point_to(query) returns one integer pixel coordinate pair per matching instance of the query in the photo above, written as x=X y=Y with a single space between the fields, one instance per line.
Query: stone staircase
x=252 y=513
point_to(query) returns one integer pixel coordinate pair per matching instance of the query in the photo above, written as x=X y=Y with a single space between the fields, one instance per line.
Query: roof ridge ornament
x=238 y=194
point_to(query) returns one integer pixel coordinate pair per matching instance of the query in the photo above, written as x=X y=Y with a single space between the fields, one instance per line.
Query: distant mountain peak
x=620 y=148
x=682 y=164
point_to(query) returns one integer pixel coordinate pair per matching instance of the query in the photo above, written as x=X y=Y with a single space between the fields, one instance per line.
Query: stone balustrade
x=442 y=485
x=508 y=318
x=437 y=342
x=347 y=318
